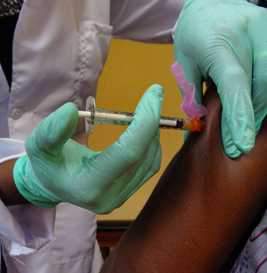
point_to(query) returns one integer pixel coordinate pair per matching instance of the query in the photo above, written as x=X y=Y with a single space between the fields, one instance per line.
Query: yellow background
x=130 y=69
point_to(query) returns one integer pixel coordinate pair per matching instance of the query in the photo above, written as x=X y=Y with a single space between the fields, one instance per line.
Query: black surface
x=113 y=225
x=7 y=29
x=3 y=266
x=263 y=3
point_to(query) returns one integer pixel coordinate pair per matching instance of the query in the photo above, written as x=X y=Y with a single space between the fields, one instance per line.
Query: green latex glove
x=58 y=169
x=226 y=40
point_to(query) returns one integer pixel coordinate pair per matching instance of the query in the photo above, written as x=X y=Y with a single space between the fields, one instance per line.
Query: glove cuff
x=28 y=186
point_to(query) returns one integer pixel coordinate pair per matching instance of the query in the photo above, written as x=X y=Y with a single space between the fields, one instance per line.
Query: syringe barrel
x=102 y=116
x=124 y=118
x=106 y=117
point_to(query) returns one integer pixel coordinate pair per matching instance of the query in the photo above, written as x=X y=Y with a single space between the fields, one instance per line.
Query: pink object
x=189 y=105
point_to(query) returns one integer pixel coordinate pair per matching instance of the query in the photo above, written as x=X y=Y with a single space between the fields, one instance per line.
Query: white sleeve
x=10 y=149
x=24 y=228
x=145 y=20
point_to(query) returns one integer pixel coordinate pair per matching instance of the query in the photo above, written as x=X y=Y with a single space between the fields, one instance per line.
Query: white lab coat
x=59 y=50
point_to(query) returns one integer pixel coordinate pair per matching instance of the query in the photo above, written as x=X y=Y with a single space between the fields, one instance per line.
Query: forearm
x=8 y=191
x=150 y=21
x=147 y=20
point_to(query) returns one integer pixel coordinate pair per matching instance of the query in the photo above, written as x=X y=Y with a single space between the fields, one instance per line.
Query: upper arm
x=202 y=210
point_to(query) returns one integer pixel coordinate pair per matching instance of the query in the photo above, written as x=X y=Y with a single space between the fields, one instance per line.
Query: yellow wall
x=131 y=68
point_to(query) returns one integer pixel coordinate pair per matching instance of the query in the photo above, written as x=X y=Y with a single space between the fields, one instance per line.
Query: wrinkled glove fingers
x=234 y=88
x=135 y=176
x=145 y=169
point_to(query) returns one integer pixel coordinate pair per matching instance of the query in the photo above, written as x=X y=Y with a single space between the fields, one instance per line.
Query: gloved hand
x=58 y=169
x=226 y=40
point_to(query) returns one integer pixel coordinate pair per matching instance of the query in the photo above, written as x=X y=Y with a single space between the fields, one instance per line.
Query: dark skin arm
x=201 y=212
x=8 y=191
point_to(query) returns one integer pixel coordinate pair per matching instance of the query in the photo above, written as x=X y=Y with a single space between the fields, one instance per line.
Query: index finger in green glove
x=134 y=142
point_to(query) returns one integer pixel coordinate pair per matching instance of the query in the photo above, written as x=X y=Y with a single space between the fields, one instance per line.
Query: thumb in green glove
x=57 y=169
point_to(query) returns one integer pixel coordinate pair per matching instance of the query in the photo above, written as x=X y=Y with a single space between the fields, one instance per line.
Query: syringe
x=102 y=116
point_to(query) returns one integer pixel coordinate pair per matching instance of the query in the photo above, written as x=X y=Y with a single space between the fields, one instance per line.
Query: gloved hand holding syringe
x=102 y=116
